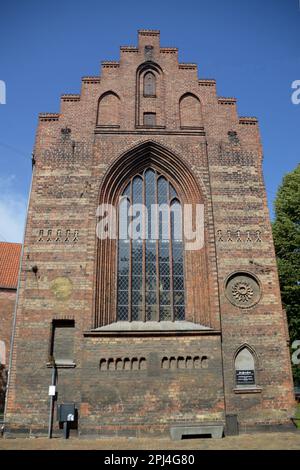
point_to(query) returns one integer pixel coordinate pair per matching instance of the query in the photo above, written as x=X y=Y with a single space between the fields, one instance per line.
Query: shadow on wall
x=3 y=381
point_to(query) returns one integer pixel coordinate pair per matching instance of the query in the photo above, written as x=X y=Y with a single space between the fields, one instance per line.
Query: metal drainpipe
x=52 y=399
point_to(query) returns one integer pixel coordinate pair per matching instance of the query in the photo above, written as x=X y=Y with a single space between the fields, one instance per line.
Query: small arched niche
x=150 y=156
x=244 y=367
x=109 y=110
x=190 y=111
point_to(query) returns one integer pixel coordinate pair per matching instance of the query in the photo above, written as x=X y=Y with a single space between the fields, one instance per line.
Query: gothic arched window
x=244 y=367
x=149 y=84
x=150 y=251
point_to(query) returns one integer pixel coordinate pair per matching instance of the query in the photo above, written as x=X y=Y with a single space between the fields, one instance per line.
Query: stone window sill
x=62 y=364
x=107 y=126
x=248 y=389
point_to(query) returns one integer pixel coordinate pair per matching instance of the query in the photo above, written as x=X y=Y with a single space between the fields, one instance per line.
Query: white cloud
x=12 y=211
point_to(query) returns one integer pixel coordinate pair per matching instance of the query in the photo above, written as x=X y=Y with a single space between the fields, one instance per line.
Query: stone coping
x=151 y=328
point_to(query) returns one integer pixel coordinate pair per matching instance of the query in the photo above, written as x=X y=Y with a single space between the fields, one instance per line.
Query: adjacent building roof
x=10 y=254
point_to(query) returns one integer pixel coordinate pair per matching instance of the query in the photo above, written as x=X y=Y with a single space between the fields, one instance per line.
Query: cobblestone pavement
x=281 y=441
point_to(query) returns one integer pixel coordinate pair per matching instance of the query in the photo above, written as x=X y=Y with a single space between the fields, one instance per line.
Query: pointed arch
x=108 y=113
x=150 y=154
x=190 y=111
x=159 y=157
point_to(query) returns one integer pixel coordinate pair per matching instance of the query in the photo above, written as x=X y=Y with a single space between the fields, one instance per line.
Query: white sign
x=52 y=390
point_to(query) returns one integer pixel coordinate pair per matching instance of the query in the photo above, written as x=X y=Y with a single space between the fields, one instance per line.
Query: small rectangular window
x=150 y=119
x=62 y=341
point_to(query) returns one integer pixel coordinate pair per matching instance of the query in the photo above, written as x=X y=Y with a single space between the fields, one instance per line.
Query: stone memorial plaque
x=245 y=377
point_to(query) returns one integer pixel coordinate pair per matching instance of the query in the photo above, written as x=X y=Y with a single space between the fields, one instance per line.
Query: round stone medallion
x=61 y=288
x=242 y=290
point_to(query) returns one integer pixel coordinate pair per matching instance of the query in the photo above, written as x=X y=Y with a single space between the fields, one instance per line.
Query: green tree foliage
x=286 y=233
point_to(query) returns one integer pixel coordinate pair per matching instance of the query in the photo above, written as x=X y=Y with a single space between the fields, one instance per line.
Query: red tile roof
x=9 y=264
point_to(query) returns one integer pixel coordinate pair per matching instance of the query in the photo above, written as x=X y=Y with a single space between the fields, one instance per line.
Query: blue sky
x=252 y=49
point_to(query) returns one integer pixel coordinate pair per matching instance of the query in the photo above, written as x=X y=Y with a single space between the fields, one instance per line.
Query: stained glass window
x=150 y=259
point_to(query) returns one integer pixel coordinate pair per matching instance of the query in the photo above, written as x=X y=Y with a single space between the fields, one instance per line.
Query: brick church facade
x=149 y=335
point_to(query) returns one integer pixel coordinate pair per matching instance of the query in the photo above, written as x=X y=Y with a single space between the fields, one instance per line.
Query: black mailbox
x=66 y=412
